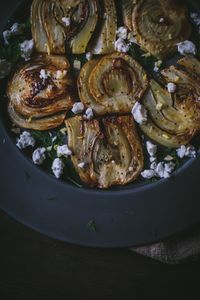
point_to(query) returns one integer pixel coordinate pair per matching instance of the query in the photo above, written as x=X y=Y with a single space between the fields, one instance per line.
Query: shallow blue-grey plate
x=135 y=215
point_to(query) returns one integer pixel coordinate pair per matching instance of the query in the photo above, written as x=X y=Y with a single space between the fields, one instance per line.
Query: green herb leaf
x=91 y=225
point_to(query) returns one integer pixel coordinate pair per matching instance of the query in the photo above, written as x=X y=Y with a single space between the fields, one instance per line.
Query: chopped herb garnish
x=91 y=225
x=147 y=61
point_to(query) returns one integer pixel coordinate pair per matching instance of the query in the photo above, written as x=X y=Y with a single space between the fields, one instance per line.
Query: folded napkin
x=182 y=248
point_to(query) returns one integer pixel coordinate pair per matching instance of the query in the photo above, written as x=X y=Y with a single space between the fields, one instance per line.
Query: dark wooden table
x=33 y=266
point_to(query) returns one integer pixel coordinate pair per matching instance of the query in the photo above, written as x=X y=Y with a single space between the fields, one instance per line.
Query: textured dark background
x=34 y=267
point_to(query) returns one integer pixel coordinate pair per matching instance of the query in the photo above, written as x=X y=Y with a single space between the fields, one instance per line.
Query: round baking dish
x=122 y=217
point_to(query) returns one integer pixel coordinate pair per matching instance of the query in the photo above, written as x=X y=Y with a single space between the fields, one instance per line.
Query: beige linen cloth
x=182 y=248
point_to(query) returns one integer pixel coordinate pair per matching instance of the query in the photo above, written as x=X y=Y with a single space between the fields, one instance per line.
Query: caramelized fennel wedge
x=159 y=25
x=168 y=124
x=50 y=32
x=40 y=91
x=103 y=42
x=110 y=149
x=112 y=84
x=81 y=40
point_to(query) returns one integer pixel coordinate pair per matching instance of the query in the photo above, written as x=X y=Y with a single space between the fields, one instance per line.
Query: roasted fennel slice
x=104 y=39
x=112 y=84
x=186 y=76
x=170 y=123
x=158 y=25
x=57 y=24
x=127 y=10
x=40 y=93
x=106 y=152
x=81 y=40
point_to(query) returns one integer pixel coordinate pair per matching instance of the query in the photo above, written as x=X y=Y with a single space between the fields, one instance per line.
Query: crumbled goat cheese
x=153 y=165
x=25 y=140
x=152 y=159
x=162 y=20
x=15 y=29
x=139 y=113
x=187 y=47
x=148 y=174
x=26 y=49
x=161 y=171
x=169 y=167
x=43 y=74
x=121 y=46
x=168 y=158
x=171 y=87
x=5 y=68
x=78 y=108
x=63 y=151
x=58 y=167
x=181 y=151
x=39 y=156
x=89 y=113
x=89 y=55
x=151 y=148
x=157 y=65
x=81 y=165
x=195 y=18
x=186 y=151
x=66 y=21
x=77 y=64
x=7 y=35
x=61 y=74
x=122 y=32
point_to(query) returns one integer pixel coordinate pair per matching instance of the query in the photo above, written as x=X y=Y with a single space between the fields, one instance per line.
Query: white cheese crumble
x=152 y=159
x=43 y=74
x=81 y=165
x=77 y=64
x=153 y=165
x=77 y=108
x=61 y=74
x=58 y=167
x=171 y=87
x=195 y=18
x=160 y=170
x=168 y=158
x=66 y=21
x=63 y=151
x=139 y=113
x=39 y=156
x=162 y=20
x=15 y=29
x=157 y=65
x=122 y=32
x=151 y=148
x=5 y=68
x=148 y=174
x=121 y=46
x=89 y=113
x=186 y=151
x=25 y=140
x=187 y=47
x=26 y=49
x=89 y=55
x=169 y=167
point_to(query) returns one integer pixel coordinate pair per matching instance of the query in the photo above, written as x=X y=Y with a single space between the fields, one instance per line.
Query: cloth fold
x=182 y=248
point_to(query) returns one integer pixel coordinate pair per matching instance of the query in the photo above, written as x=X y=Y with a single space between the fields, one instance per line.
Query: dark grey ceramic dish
x=135 y=215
